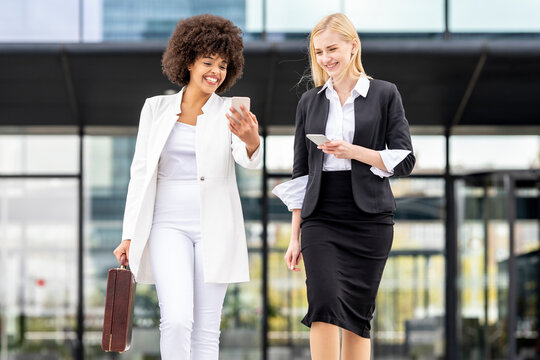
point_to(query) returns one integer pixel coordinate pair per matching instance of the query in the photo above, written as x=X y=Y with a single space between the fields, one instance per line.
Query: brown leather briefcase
x=119 y=303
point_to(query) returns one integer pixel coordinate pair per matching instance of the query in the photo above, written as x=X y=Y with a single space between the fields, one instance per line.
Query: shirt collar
x=327 y=84
x=361 y=87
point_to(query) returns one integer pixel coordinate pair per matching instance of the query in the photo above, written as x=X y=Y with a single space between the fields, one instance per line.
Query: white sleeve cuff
x=390 y=158
x=381 y=173
x=292 y=192
x=257 y=154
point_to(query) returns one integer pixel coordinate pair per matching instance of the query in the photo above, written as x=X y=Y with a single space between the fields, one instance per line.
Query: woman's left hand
x=340 y=149
x=245 y=127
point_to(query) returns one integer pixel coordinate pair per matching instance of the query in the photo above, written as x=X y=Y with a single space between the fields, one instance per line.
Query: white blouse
x=178 y=160
x=340 y=126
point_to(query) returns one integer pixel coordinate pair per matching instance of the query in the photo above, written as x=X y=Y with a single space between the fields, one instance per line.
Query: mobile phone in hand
x=318 y=139
x=241 y=100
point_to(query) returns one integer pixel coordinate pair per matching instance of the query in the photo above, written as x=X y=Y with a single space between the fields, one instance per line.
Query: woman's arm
x=398 y=135
x=246 y=142
x=136 y=182
x=293 y=254
x=300 y=164
x=137 y=172
x=344 y=150
x=300 y=168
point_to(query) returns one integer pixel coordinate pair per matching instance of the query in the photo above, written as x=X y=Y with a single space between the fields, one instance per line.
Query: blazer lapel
x=320 y=118
x=320 y=113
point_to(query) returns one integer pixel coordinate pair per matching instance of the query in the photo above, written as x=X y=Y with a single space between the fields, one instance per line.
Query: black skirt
x=344 y=250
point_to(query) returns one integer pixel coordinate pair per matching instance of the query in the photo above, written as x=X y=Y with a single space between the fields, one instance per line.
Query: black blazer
x=379 y=122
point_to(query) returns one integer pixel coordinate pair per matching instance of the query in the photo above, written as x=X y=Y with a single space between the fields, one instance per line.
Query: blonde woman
x=340 y=194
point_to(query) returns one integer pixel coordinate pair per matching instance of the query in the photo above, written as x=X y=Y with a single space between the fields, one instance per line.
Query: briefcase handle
x=123 y=261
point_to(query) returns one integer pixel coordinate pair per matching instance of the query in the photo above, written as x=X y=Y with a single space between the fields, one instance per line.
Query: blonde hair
x=340 y=24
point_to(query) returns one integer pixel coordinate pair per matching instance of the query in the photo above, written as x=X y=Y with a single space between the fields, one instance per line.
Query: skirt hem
x=361 y=331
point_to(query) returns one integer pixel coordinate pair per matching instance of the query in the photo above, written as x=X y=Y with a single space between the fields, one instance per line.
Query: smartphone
x=241 y=100
x=318 y=139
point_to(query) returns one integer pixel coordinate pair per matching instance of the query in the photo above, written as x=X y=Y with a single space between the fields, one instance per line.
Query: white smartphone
x=318 y=139
x=241 y=100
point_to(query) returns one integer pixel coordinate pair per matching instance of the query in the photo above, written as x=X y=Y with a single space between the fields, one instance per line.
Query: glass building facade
x=60 y=192
x=141 y=20
x=39 y=258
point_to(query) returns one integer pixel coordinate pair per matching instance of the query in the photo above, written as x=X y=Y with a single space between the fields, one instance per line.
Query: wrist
x=252 y=146
x=358 y=152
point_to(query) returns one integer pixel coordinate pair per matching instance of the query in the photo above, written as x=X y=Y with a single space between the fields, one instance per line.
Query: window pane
x=37 y=21
x=396 y=16
x=254 y=16
x=381 y=16
x=279 y=153
x=480 y=153
x=494 y=16
x=483 y=252
x=38 y=266
x=430 y=153
x=297 y=16
x=527 y=248
x=39 y=154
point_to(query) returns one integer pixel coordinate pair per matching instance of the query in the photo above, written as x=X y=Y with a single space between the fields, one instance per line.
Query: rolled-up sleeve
x=398 y=135
x=240 y=154
x=292 y=192
x=390 y=158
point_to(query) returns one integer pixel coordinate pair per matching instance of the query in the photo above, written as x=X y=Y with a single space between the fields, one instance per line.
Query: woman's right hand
x=293 y=255
x=121 y=249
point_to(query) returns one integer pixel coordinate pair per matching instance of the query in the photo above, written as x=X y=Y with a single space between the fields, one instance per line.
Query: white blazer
x=225 y=257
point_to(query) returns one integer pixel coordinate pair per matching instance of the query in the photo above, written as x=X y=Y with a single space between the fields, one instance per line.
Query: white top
x=340 y=126
x=177 y=160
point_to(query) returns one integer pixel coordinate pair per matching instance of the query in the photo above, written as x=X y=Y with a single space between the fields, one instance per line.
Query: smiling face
x=332 y=52
x=207 y=73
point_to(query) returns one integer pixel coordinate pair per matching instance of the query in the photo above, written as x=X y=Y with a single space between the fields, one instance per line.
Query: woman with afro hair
x=183 y=226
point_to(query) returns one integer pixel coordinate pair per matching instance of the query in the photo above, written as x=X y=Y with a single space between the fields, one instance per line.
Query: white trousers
x=190 y=308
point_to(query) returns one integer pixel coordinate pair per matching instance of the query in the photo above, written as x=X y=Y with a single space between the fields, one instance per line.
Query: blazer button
x=202 y=178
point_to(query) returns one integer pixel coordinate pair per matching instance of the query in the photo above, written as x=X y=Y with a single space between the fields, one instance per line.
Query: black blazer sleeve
x=300 y=165
x=398 y=134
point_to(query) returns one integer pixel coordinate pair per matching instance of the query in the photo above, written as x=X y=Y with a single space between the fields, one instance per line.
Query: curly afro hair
x=203 y=35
